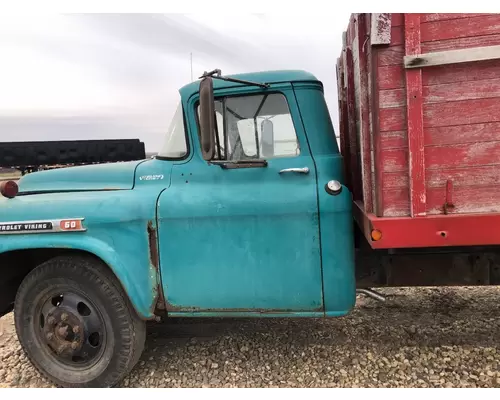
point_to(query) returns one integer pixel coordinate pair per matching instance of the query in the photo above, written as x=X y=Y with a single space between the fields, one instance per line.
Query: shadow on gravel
x=430 y=318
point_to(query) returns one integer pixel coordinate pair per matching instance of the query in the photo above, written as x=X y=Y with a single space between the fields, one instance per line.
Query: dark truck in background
x=35 y=156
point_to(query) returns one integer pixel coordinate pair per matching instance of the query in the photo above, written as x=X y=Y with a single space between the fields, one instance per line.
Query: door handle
x=304 y=170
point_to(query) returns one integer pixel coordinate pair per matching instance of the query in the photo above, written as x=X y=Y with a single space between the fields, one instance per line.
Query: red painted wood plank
x=397 y=35
x=397 y=202
x=378 y=153
x=344 y=143
x=394 y=140
x=446 y=135
x=456 y=91
x=460 y=28
x=392 y=98
x=351 y=118
x=462 y=155
x=466 y=199
x=457 y=113
x=396 y=180
x=444 y=17
x=451 y=156
x=459 y=91
x=414 y=106
x=452 y=73
x=461 y=43
x=394 y=55
x=397 y=19
x=351 y=30
x=364 y=122
x=469 y=133
x=485 y=175
x=391 y=56
x=395 y=160
x=345 y=127
x=391 y=76
x=392 y=119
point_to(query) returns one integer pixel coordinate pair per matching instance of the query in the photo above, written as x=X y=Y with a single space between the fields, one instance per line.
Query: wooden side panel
x=448 y=92
x=352 y=116
x=460 y=118
x=345 y=144
x=354 y=107
x=362 y=47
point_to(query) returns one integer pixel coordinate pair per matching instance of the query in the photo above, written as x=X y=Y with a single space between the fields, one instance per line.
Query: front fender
x=120 y=230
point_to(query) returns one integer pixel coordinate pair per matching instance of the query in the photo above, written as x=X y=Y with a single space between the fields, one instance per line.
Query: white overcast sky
x=87 y=76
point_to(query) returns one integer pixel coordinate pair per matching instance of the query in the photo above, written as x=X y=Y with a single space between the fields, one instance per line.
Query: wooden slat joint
x=452 y=57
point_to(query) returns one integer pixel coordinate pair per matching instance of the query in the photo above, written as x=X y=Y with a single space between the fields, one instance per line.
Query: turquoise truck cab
x=254 y=222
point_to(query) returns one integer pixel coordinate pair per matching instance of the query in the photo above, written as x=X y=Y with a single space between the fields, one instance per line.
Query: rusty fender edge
x=158 y=305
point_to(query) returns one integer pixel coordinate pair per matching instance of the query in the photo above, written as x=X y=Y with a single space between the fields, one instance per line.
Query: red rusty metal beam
x=431 y=231
x=415 y=119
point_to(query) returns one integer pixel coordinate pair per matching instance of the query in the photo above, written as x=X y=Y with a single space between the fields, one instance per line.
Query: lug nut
x=51 y=320
x=64 y=317
x=50 y=336
x=74 y=345
x=63 y=331
x=76 y=329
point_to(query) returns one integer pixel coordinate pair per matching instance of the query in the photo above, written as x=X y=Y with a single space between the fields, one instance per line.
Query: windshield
x=175 y=145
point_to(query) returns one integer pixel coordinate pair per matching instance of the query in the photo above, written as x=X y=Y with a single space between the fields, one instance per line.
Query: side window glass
x=255 y=127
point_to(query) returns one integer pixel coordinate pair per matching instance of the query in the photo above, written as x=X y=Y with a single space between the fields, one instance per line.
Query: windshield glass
x=175 y=145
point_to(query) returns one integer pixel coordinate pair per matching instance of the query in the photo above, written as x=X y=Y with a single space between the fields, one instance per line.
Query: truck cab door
x=244 y=238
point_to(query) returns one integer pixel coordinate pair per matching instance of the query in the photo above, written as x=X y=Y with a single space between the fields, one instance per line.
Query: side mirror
x=267 y=129
x=207 y=118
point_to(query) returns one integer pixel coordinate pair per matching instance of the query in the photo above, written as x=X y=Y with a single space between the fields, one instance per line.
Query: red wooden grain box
x=419 y=106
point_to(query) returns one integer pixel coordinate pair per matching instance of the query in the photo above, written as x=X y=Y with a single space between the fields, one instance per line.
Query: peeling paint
x=153 y=245
x=157 y=293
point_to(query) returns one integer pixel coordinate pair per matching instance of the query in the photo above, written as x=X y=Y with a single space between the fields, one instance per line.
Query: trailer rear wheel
x=76 y=325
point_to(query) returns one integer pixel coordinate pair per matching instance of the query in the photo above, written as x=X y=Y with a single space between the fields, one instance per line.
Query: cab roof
x=258 y=77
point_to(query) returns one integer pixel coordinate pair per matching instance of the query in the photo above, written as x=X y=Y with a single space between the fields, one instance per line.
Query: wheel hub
x=72 y=329
x=63 y=331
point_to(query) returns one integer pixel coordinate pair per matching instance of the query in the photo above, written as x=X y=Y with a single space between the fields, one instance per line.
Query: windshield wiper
x=216 y=74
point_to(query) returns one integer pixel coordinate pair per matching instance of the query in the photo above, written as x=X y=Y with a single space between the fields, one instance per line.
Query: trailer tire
x=76 y=324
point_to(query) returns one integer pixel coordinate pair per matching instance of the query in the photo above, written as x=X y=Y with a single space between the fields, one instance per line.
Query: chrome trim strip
x=54 y=228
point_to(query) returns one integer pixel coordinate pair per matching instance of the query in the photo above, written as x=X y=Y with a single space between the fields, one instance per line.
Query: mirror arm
x=216 y=74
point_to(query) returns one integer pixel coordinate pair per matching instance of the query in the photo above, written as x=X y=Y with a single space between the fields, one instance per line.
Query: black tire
x=121 y=333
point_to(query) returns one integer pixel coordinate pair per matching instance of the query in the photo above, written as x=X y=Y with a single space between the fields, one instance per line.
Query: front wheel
x=76 y=325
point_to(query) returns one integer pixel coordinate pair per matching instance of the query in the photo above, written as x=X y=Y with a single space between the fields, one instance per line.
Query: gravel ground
x=431 y=337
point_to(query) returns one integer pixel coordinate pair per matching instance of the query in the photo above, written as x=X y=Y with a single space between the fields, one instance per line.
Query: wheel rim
x=71 y=329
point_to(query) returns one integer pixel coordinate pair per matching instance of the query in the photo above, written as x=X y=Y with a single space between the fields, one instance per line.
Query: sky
x=103 y=76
